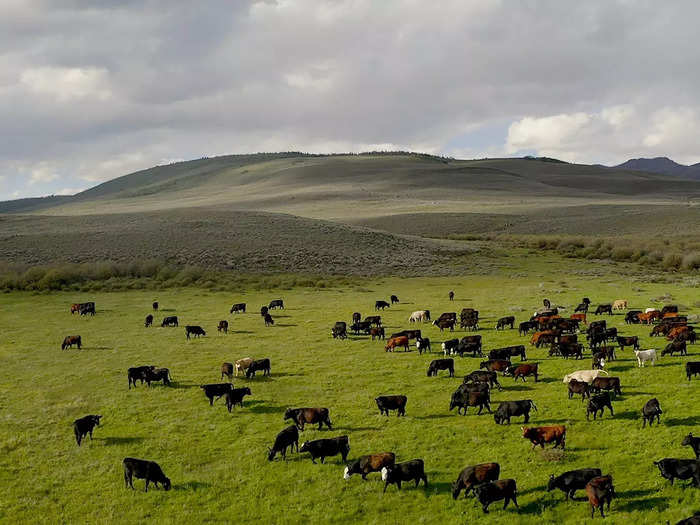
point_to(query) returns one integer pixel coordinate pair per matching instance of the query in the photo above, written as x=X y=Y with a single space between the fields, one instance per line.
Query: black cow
x=216 y=390
x=362 y=326
x=153 y=374
x=694 y=442
x=475 y=475
x=505 y=321
x=222 y=326
x=85 y=425
x=606 y=383
x=671 y=469
x=675 y=346
x=571 y=481
x=603 y=309
x=463 y=399
x=301 y=416
x=263 y=311
x=238 y=307
x=171 y=320
x=143 y=469
x=374 y=319
x=407 y=471
x=289 y=437
x=235 y=397
x=449 y=346
x=276 y=303
x=269 y=321
x=527 y=326
x=194 y=330
x=632 y=341
x=262 y=365
x=386 y=403
x=377 y=332
x=471 y=340
x=356 y=317
x=509 y=351
x=582 y=307
x=597 y=403
x=693 y=520
x=323 y=448
x=394 y=299
x=651 y=410
x=423 y=345
x=339 y=330
x=138 y=373
x=483 y=376
x=441 y=364
x=692 y=368
x=155 y=305
x=579 y=387
x=149 y=320
x=508 y=409
x=411 y=334
x=451 y=295
x=87 y=308
x=381 y=305
x=631 y=317
x=504 y=489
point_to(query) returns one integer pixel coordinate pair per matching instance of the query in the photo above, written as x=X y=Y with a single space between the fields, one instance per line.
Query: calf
x=597 y=403
x=522 y=371
x=571 y=481
x=504 y=489
x=579 y=387
x=423 y=345
x=149 y=320
x=464 y=399
x=194 y=331
x=71 y=340
x=302 y=416
x=262 y=365
x=540 y=435
x=599 y=491
x=85 y=425
x=215 y=391
x=441 y=364
x=671 y=469
x=143 y=469
x=155 y=305
x=269 y=321
x=377 y=331
x=235 y=397
x=222 y=327
x=651 y=410
x=628 y=341
x=243 y=364
x=276 y=303
x=645 y=355
x=603 y=309
x=505 y=321
x=508 y=409
x=237 y=308
x=386 y=403
x=369 y=463
x=606 y=383
x=394 y=299
x=288 y=437
x=407 y=471
x=483 y=376
x=475 y=475
x=227 y=370
x=171 y=320
x=693 y=442
x=323 y=448
x=692 y=368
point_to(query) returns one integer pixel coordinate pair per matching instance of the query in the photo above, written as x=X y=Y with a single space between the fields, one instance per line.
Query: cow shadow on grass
x=286 y=325
x=241 y=332
x=516 y=388
x=120 y=440
x=617 y=368
x=96 y=348
x=181 y=385
x=538 y=506
x=356 y=429
x=682 y=422
x=628 y=414
x=191 y=485
x=644 y=503
x=548 y=380
x=434 y=416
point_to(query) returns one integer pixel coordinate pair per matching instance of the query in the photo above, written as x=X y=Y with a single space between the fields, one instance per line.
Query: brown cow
x=676 y=331
x=377 y=331
x=475 y=475
x=227 y=370
x=579 y=317
x=648 y=318
x=541 y=435
x=75 y=307
x=301 y=416
x=600 y=490
x=522 y=370
x=395 y=342
x=223 y=327
x=495 y=365
x=369 y=463
x=71 y=340
x=538 y=338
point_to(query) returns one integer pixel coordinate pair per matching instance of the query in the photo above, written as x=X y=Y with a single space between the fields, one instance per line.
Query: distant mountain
x=664 y=166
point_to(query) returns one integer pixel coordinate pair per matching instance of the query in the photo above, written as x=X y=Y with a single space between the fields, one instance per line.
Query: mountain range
x=664 y=166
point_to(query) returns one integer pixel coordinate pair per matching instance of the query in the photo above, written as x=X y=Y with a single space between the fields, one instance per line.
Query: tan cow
x=243 y=364
x=620 y=304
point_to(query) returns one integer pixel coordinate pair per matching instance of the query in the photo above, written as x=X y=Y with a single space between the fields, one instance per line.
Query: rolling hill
x=664 y=166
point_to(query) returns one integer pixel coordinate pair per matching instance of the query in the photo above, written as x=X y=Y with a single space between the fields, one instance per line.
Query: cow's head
x=290 y=413
x=550 y=484
x=270 y=454
x=387 y=474
x=247 y=391
x=304 y=447
x=166 y=483
x=351 y=468
x=497 y=418
x=687 y=440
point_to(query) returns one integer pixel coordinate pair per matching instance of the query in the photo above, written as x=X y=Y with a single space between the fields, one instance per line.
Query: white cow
x=243 y=364
x=417 y=317
x=649 y=310
x=584 y=375
x=645 y=355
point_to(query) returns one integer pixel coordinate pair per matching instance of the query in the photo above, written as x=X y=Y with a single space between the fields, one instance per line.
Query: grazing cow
x=678 y=331
x=479 y=386
x=628 y=341
x=143 y=469
x=326 y=447
x=375 y=320
x=464 y=399
x=222 y=327
x=288 y=437
x=571 y=481
x=269 y=321
x=75 y=307
x=264 y=310
x=522 y=370
x=386 y=403
x=394 y=299
x=606 y=383
x=85 y=425
x=87 y=308
x=483 y=376
x=157 y=374
x=377 y=332
x=417 y=317
x=607 y=352
x=693 y=442
x=411 y=334
x=671 y=469
x=149 y=320
x=598 y=361
x=540 y=435
x=505 y=321
x=275 y=304
x=215 y=391
x=361 y=327
x=543 y=337
x=407 y=471
x=527 y=326
x=227 y=370
x=632 y=317
x=495 y=365
x=580 y=317
x=155 y=306
x=651 y=410
x=451 y=295
x=441 y=364
x=692 y=368
x=444 y=324
x=675 y=346
x=644 y=356
x=381 y=305
x=446 y=316
x=356 y=317
x=471 y=348
x=472 y=340
x=395 y=342
x=235 y=397
x=475 y=475
x=138 y=373
x=370 y=463
x=243 y=364
x=470 y=323
x=597 y=403
x=171 y=320
x=237 y=308
x=603 y=309
x=262 y=365
x=582 y=307
x=669 y=309
x=583 y=375
x=619 y=304
x=579 y=387
x=302 y=416
x=648 y=317
x=599 y=491
x=567 y=350
x=504 y=489
x=508 y=409
x=195 y=331
x=423 y=345
x=71 y=340
x=339 y=330
x=510 y=351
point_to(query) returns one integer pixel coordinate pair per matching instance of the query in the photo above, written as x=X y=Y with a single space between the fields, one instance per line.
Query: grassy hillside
x=217 y=461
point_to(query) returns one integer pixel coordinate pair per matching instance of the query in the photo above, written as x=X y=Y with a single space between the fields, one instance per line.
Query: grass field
x=217 y=461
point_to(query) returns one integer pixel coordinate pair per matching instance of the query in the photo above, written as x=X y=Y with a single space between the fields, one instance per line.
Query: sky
x=91 y=90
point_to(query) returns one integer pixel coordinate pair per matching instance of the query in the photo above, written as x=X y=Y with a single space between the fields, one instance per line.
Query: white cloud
x=69 y=191
x=113 y=167
x=67 y=83
x=42 y=172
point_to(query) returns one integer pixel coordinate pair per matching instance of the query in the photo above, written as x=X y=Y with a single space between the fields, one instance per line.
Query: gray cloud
x=89 y=91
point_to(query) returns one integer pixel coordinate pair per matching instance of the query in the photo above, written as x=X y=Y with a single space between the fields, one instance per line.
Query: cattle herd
x=562 y=336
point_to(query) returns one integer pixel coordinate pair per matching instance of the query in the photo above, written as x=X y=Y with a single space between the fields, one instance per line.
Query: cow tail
x=532 y=404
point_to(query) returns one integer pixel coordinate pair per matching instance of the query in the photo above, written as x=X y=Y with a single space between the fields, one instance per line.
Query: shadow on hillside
x=167 y=310
x=442 y=487
x=241 y=332
x=118 y=440
x=628 y=414
x=617 y=368
x=286 y=325
x=682 y=422
x=285 y=374
x=260 y=406
x=658 y=504
x=192 y=485
x=434 y=416
x=95 y=348
x=548 y=380
x=539 y=488
x=181 y=385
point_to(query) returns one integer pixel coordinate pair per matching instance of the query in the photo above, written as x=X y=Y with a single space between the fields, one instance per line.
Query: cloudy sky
x=90 y=91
